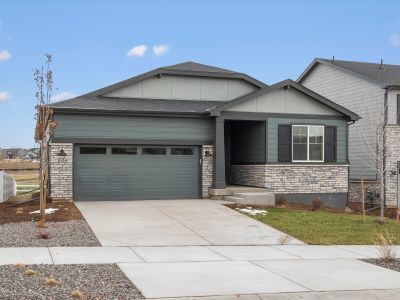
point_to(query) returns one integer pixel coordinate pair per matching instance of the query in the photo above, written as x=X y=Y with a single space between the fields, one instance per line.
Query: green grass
x=324 y=228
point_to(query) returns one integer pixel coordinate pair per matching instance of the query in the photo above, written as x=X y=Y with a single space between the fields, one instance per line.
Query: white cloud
x=4 y=97
x=137 y=51
x=395 y=39
x=160 y=49
x=62 y=96
x=5 y=55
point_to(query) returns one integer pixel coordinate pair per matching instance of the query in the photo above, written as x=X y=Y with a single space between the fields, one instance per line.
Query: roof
x=130 y=105
x=185 y=69
x=382 y=74
x=287 y=83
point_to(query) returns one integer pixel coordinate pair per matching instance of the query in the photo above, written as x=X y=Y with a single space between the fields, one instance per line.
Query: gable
x=185 y=88
x=284 y=100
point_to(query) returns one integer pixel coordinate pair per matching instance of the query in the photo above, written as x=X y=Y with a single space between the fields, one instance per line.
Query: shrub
x=52 y=282
x=77 y=295
x=316 y=203
x=384 y=243
x=43 y=235
x=281 y=200
x=31 y=273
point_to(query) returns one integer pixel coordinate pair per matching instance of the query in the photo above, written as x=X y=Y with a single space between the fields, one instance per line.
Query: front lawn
x=325 y=228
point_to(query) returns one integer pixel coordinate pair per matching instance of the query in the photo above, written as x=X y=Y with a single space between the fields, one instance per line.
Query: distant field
x=5 y=165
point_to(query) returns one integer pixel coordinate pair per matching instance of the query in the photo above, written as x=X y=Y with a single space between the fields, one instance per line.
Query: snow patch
x=47 y=211
x=252 y=211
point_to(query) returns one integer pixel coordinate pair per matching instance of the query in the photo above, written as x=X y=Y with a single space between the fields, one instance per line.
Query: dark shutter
x=284 y=143
x=330 y=144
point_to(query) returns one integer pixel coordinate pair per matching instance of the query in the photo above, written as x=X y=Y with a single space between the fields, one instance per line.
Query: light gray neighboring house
x=189 y=130
x=362 y=87
x=3 y=153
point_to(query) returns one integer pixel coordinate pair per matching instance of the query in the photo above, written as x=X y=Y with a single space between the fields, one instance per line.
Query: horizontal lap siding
x=357 y=94
x=273 y=123
x=132 y=127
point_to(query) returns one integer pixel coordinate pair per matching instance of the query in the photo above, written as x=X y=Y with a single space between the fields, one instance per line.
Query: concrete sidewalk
x=210 y=271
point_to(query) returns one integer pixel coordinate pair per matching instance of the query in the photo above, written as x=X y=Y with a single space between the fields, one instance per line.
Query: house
x=13 y=153
x=189 y=130
x=365 y=88
x=3 y=154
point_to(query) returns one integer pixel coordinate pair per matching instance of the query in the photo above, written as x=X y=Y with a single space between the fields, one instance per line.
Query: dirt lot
x=18 y=165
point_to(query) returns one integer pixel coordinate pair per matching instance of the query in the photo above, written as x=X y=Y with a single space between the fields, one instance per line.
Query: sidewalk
x=228 y=270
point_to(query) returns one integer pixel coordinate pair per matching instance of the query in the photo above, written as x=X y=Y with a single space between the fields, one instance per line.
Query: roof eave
x=125 y=112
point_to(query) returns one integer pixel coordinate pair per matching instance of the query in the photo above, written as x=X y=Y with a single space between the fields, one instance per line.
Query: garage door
x=135 y=172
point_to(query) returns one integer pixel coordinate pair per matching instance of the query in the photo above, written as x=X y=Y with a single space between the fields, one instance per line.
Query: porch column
x=219 y=154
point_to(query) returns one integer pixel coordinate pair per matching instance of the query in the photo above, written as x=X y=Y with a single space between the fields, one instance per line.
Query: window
x=154 y=151
x=181 y=151
x=93 y=150
x=124 y=150
x=307 y=143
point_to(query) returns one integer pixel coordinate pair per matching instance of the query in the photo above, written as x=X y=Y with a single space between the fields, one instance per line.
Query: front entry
x=114 y=172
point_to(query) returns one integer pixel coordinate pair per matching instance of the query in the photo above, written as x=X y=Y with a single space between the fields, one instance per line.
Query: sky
x=97 y=43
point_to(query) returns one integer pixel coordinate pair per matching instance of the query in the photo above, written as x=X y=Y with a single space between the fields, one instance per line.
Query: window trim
x=308 y=144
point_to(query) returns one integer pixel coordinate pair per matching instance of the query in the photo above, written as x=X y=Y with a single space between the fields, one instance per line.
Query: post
x=362 y=198
x=219 y=154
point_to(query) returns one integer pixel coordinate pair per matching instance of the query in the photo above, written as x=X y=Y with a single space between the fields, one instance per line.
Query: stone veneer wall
x=207 y=168
x=293 y=178
x=393 y=150
x=61 y=187
x=355 y=190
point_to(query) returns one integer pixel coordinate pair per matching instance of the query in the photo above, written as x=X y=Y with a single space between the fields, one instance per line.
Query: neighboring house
x=188 y=130
x=12 y=153
x=33 y=153
x=363 y=88
x=3 y=153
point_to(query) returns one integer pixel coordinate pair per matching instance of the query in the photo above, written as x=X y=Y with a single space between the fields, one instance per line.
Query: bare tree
x=376 y=145
x=45 y=126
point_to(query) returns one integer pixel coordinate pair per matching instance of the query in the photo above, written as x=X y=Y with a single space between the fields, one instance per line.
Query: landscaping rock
x=92 y=281
x=74 y=233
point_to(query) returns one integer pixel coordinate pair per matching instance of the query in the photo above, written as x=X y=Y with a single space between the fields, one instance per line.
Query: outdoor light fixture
x=61 y=153
x=207 y=153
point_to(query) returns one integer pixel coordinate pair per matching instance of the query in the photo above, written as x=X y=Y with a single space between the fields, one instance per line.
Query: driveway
x=176 y=223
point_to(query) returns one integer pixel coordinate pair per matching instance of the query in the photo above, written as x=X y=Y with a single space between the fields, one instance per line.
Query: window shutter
x=284 y=143
x=330 y=144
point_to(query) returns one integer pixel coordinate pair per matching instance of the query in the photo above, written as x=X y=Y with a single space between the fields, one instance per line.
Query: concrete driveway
x=176 y=223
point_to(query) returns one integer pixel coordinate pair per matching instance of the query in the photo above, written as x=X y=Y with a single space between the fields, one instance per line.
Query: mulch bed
x=290 y=205
x=65 y=228
x=20 y=213
x=92 y=281
x=392 y=264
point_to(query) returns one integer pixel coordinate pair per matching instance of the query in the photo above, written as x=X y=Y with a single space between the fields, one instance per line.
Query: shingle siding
x=356 y=94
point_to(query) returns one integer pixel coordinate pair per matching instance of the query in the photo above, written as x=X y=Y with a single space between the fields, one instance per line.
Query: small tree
x=45 y=126
x=376 y=145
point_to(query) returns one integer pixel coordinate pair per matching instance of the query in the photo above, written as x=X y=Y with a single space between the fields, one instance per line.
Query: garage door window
x=93 y=150
x=124 y=150
x=182 y=151
x=154 y=151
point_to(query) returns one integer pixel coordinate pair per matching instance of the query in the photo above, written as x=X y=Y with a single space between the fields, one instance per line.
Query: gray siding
x=247 y=142
x=359 y=95
x=272 y=143
x=185 y=88
x=283 y=101
x=132 y=127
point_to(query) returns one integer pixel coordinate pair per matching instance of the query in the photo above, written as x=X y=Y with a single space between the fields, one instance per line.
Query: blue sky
x=90 y=42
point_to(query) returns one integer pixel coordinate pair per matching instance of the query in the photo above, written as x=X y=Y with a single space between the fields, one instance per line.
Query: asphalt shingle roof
x=196 y=67
x=136 y=105
x=386 y=74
